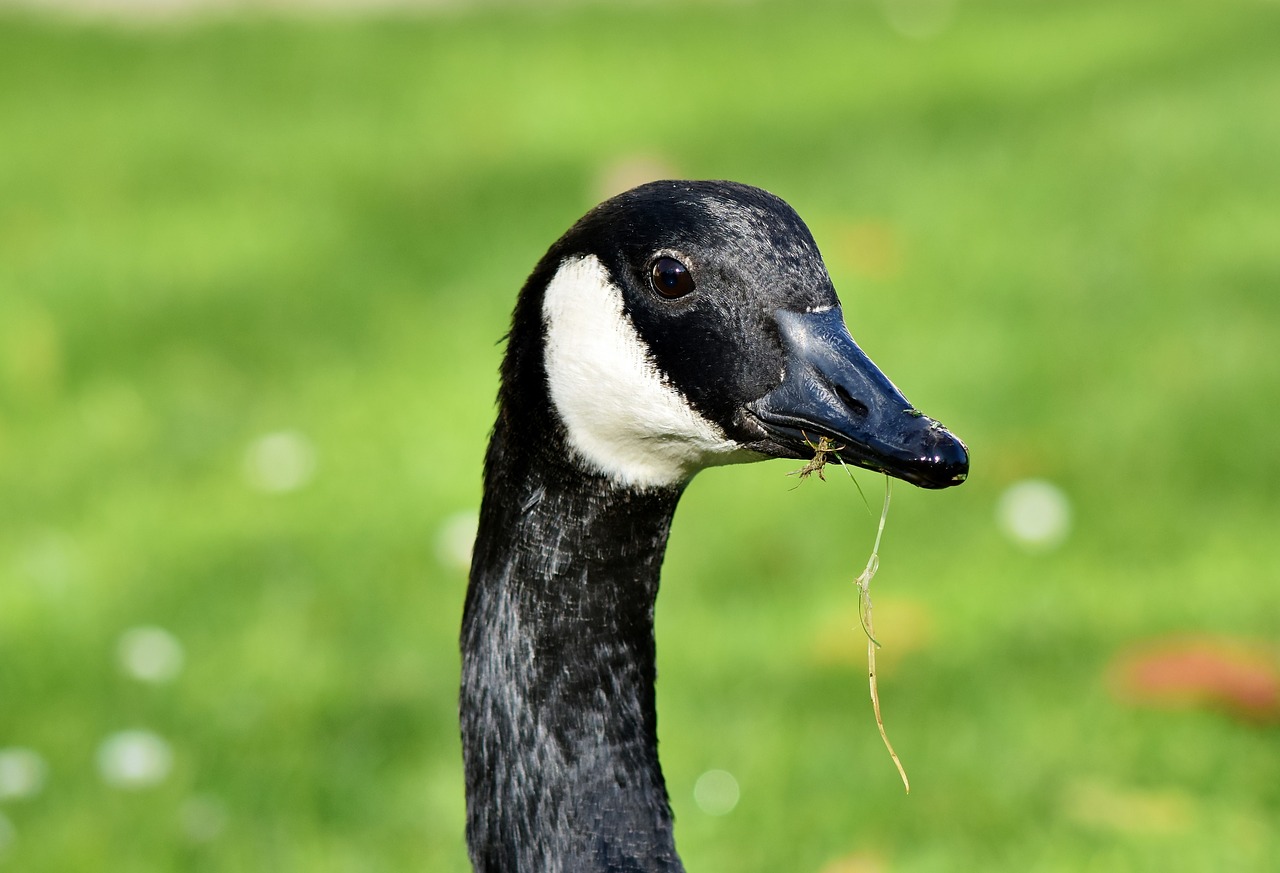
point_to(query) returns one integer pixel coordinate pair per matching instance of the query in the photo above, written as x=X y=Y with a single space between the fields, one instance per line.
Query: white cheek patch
x=622 y=418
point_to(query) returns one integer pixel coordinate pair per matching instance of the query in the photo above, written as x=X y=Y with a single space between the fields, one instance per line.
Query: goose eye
x=671 y=278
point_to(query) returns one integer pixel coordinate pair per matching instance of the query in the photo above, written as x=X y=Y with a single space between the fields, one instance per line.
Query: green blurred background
x=253 y=272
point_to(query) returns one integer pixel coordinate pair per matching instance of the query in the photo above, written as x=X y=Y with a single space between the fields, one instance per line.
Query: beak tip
x=949 y=460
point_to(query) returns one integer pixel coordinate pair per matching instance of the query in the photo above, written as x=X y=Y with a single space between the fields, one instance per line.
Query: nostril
x=856 y=406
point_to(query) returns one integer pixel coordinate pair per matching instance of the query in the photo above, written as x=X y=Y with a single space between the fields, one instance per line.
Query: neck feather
x=559 y=728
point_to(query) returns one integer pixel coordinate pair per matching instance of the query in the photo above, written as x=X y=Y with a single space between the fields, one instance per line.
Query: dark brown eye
x=671 y=278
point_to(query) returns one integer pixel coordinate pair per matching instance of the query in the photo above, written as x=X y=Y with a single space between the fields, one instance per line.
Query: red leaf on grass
x=1238 y=677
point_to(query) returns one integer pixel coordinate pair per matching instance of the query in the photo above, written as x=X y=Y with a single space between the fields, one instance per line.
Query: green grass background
x=213 y=230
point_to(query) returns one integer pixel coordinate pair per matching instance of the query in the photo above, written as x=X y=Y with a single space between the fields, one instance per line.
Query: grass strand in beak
x=863 y=583
x=824 y=448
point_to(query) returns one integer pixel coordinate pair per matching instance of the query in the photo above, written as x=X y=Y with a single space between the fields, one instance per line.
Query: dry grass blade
x=822 y=452
x=863 y=582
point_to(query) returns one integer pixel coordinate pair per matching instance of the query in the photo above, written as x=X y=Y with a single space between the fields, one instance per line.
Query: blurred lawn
x=1055 y=225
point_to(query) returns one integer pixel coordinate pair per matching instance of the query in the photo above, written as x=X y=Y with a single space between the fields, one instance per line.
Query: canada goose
x=674 y=327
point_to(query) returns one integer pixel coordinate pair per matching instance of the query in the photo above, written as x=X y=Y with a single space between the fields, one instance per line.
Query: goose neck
x=559 y=726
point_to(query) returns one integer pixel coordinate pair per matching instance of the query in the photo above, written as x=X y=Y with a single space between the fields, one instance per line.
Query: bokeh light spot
x=1034 y=514
x=134 y=759
x=51 y=561
x=280 y=462
x=456 y=536
x=22 y=773
x=150 y=654
x=716 y=792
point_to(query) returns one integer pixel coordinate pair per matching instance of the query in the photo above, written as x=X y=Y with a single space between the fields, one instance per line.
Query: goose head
x=678 y=326
x=682 y=325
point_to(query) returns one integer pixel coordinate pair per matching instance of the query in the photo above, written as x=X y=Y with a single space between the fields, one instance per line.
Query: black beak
x=831 y=389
